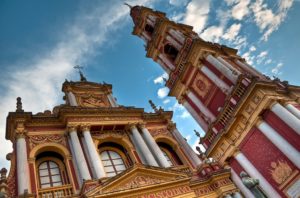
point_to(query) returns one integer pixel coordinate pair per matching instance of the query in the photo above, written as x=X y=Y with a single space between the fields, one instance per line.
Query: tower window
x=49 y=174
x=170 y=51
x=149 y=29
x=112 y=162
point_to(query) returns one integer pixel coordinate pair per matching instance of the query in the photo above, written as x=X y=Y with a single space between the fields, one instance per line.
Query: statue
x=252 y=185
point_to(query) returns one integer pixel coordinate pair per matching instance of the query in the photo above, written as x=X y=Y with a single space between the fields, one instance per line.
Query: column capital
x=20 y=133
x=85 y=127
x=72 y=128
x=273 y=103
x=141 y=125
x=171 y=126
x=131 y=126
x=258 y=121
x=236 y=152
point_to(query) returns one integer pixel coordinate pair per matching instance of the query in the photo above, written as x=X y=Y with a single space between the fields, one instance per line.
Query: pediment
x=139 y=177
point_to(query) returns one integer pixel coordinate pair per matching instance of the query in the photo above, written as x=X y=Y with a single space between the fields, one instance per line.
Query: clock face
x=93 y=101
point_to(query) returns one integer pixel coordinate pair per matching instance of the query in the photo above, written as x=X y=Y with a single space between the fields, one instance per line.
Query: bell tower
x=251 y=121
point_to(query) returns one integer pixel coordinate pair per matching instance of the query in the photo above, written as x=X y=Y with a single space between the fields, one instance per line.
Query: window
x=112 y=162
x=149 y=29
x=168 y=158
x=171 y=51
x=49 y=174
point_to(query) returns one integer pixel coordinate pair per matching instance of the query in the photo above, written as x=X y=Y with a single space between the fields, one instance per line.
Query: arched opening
x=149 y=29
x=114 y=157
x=170 y=154
x=51 y=170
x=170 y=51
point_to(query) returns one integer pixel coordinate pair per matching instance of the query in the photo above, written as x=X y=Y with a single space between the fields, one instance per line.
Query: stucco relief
x=35 y=140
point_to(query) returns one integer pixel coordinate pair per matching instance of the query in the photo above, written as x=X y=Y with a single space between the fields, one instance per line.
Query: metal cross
x=79 y=68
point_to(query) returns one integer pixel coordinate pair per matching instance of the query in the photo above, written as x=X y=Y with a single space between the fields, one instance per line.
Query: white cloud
x=178 y=2
x=166 y=101
x=163 y=92
x=276 y=69
x=185 y=114
x=252 y=48
x=263 y=54
x=241 y=9
x=232 y=32
x=39 y=79
x=160 y=79
x=212 y=33
x=249 y=59
x=268 y=20
x=268 y=61
x=197 y=13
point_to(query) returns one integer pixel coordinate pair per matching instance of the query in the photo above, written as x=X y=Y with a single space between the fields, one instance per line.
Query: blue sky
x=41 y=41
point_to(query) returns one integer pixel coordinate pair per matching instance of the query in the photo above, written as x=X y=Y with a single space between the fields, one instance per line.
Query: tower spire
x=153 y=106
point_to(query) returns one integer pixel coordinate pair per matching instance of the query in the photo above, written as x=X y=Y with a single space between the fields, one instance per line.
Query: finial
x=199 y=150
x=19 y=105
x=128 y=5
x=153 y=106
x=78 y=67
x=164 y=79
x=197 y=133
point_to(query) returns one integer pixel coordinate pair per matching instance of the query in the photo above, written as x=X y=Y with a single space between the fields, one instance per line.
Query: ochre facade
x=251 y=122
x=93 y=147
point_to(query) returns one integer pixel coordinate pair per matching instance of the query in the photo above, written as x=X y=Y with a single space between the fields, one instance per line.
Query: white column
x=152 y=18
x=146 y=36
x=72 y=99
x=163 y=66
x=79 y=156
x=140 y=143
x=222 y=68
x=96 y=162
x=112 y=100
x=287 y=117
x=250 y=69
x=173 y=42
x=284 y=146
x=218 y=82
x=232 y=68
x=237 y=195
x=186 y=148
x=150 y=22
x=238 y=182
x=22 y=165
x=166 y=61
x=177 y=35
x=253 y=172
x=198 y=119
x=201 y=106
x=157 y=153
x=293 y=110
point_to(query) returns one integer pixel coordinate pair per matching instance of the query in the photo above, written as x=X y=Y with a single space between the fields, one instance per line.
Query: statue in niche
x=253 y=185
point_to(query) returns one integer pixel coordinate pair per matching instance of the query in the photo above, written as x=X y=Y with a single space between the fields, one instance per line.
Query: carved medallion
x=280 y=171
x=201 y=85
x=93 y=101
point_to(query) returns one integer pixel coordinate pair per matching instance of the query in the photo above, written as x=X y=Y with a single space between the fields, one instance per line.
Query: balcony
x=56 y=192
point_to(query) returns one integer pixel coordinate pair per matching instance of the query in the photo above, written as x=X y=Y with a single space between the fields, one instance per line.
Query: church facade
x=93 y=147
x=251 y=122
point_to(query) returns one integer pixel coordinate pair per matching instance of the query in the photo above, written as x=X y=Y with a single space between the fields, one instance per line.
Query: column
x=253 y=172
x=205 y=111
x=237 y=195
x=186 y=147
x=173 y=42
x=96 y=162
x=293 y=110
x=287 y=117
x=146 y=36
x=166 y=61
x=22 y=164
x=232 y=68
x=72 y=99
x=140 y=143
x=198 y=119
x=176 y=35
x=163 y=66
x=238 y=182
x=284 y=146
x=112 y=100
x=79 y=156
x=217 y=81
x=150 y=22
x=222 y=68
x=157 y=153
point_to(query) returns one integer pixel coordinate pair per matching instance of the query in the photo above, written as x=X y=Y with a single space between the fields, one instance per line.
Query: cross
x=79 y=68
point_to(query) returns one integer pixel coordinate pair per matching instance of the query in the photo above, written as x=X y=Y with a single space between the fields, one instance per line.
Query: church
x=91 y=146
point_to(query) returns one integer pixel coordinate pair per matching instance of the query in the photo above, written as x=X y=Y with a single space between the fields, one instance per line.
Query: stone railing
x=56 y=192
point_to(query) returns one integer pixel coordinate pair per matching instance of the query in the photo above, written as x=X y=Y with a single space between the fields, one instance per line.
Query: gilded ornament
x=280 y=171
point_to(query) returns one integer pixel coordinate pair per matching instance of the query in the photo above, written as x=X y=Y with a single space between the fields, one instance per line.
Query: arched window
x=168 y=158
x=170 y=51
x=112 y=162
x=49 y=174
x=149 y=29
